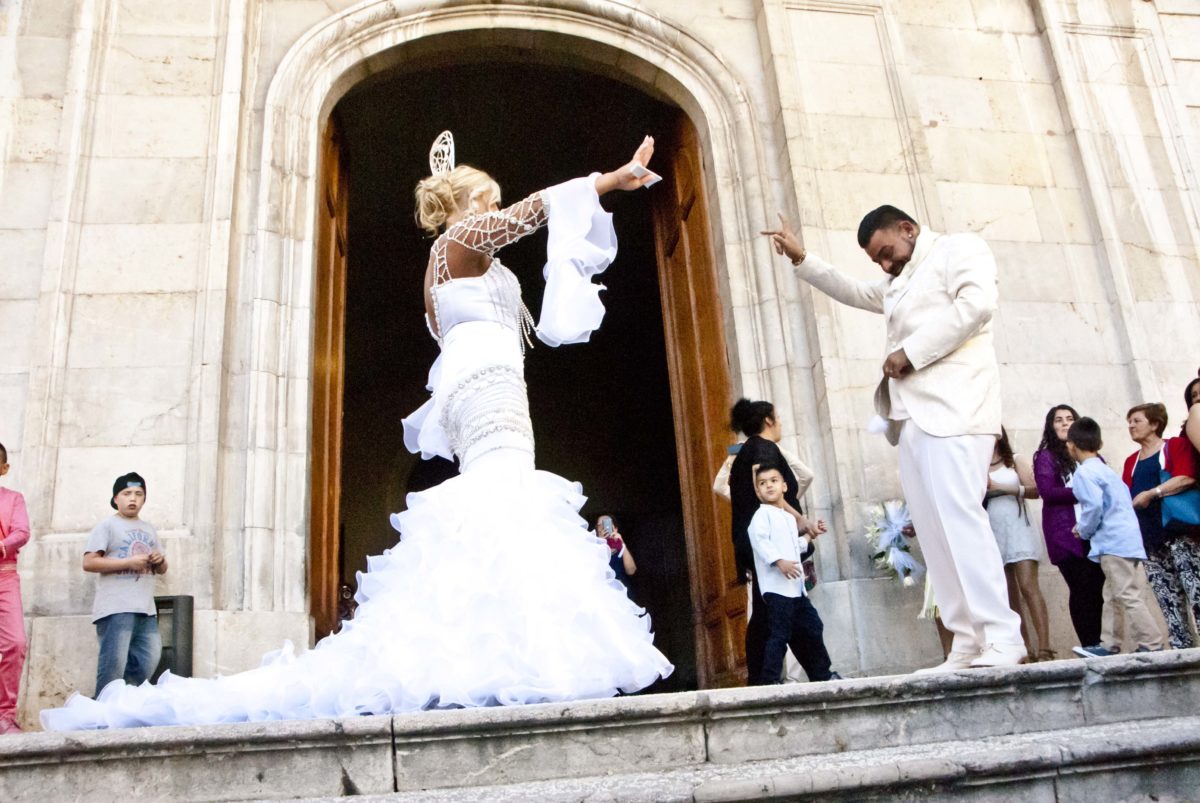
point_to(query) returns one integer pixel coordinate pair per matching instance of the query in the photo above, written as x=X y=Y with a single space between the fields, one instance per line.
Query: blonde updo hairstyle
x=439 y=197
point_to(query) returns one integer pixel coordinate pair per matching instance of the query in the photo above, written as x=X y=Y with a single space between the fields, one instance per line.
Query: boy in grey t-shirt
x=126 y=553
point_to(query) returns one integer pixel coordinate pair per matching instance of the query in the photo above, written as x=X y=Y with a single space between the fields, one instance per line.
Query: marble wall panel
x=22 y=250
x=1029 y=271
x=1066 y=164
x=160 y=65
x=155 y=126
x=1088 y=271
x=1065 y=332
x=1064 y=215
x=1013 y=16
x=973 y=53
x=146 y=190
x=832 y=37
x=952 y=14
x=159 y=18
x=25 y=202
x=846 y=89
x=1182 y=33
x=1105 y=393
x=42 y=66
x=107 y=407
x=1025 y=106
x=35 y=129
x=47 y=18
x=856 y=144
x=84 y=477
x=14 y=389
x=845 y=196
x=988 y=157
x=962 y=102
x=993 y=211
x=1150 y=217
x=16 y=321
x=130 y=331
x=139 y=258
x=1175 y=323
x=1028 y=391
x=1187 y=74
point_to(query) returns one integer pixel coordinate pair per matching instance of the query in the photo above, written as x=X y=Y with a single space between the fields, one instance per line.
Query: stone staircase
x=1123 y=728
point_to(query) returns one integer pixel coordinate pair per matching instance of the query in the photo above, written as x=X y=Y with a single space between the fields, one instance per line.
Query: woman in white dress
x=497 y=593
x=1010 y=483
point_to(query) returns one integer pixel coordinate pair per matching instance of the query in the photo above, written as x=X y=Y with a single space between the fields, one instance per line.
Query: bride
x=496 y=593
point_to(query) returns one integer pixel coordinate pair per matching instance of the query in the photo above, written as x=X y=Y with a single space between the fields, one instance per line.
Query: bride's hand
x=623 y=178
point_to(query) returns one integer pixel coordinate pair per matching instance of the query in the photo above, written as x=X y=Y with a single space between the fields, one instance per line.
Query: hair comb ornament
x=441 y=155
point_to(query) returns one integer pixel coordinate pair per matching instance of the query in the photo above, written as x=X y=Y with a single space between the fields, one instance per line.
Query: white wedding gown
x=497 y=593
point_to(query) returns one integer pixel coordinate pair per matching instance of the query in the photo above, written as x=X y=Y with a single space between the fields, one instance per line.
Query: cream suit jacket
x=939 y=310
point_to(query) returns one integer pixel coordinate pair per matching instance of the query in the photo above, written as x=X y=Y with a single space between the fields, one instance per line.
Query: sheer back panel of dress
x=466 y=250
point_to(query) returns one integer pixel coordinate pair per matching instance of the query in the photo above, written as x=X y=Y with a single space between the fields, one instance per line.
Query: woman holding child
x=497 y=592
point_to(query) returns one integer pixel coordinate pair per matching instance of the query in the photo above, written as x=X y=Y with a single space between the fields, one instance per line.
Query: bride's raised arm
x=489 y=232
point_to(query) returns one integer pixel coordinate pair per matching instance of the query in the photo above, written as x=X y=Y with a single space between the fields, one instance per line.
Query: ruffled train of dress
x=507 y=599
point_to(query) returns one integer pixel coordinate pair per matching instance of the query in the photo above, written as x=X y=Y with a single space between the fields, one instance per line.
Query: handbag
x=810 y=574
x=1181 y=511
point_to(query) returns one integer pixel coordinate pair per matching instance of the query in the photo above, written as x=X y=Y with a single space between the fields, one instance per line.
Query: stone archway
x=349 y=48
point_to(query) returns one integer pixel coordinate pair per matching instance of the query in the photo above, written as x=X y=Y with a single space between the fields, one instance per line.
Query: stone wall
x=155 y=232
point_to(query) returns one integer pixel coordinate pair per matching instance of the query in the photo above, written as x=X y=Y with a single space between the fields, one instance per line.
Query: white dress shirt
x=774 y=536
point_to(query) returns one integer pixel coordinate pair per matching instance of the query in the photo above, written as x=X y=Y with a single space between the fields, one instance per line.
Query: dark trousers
x=1085 y=582
x=780 y=622
x=811 y=655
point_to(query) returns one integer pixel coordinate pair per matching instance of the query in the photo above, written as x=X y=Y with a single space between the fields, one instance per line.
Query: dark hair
x=882 y=218
x=1156 y=414
x=1187 y=393
x=3 y=454
x=1056 y=448
x=1005 y=449
x=750 y=417
x=1085 y=434
x=763 y=468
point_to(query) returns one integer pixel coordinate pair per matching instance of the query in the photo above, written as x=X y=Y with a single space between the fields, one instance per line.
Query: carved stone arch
x=276 y=290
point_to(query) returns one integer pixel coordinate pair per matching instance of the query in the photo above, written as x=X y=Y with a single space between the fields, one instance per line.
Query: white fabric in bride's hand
x=582 y=244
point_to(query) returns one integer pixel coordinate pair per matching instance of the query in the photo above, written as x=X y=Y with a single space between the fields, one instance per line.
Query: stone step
x=624 y=736
x=1155 y=759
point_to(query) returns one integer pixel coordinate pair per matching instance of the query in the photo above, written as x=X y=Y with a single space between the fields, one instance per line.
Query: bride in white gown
x=496 y=593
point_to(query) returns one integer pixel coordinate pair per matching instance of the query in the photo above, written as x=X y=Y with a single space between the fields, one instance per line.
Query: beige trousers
x=1124 y=588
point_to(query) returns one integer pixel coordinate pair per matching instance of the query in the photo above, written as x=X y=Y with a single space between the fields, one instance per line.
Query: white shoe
x=954 y=662
x=1001 y=655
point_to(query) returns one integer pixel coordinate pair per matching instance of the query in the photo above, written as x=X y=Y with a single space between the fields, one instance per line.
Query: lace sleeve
x=488 y=233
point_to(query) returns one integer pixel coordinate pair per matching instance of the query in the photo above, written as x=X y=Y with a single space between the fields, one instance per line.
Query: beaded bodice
x=495 y=294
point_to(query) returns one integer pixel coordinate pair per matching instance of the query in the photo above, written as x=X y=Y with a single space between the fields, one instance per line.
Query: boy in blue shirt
x=1107 y=520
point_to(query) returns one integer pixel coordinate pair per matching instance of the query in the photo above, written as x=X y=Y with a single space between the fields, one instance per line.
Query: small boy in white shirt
x=1107 y=521
x=778 y=548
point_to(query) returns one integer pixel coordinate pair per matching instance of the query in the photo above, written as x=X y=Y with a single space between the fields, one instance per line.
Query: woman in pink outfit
x=14 y=533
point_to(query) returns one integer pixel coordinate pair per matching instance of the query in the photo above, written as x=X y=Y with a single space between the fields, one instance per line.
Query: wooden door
x=700 y=397
x=328 y=375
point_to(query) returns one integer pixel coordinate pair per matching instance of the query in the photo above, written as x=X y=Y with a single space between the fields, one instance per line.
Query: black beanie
x=130 y=480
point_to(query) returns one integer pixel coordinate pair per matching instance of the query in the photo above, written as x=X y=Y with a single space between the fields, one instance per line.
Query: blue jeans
x=130 y=647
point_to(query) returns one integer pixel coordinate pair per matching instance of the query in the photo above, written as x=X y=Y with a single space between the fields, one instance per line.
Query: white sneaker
x=954 y=662
x=1001 y=655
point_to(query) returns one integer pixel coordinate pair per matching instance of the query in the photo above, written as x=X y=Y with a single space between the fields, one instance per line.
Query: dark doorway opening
x=601 y=411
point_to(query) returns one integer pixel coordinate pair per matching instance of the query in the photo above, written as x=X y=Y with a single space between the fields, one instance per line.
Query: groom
x=940 y=394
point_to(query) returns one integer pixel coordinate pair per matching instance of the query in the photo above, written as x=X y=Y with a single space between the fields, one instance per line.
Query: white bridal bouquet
x=885 y=530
